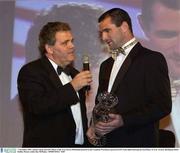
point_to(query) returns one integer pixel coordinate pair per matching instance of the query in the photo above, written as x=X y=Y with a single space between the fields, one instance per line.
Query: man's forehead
x=105 y=22
x=62 y=35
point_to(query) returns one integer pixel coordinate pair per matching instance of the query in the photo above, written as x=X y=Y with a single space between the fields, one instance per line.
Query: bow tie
x=121 y=50
x=66 y=70
x=115 y=53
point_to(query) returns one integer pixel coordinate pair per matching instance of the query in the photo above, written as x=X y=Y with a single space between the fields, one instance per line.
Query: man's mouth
x=109 y=43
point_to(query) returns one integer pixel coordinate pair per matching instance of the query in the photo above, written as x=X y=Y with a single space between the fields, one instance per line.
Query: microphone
x=86 y=67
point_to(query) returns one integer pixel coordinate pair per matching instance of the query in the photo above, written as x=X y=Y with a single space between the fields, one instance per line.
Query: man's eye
x=167 y=34
x=106 y=30
x=64 y=43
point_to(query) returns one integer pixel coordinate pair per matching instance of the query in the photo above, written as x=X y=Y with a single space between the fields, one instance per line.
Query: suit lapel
x=107 y=73
x=51 y=72
x=56 y=82
x=125 y=66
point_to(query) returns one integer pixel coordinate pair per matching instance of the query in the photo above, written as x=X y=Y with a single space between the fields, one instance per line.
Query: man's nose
x=71 y=45
x=104 y=36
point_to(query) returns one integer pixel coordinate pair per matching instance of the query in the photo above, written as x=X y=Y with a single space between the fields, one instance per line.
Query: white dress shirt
x=76 y=111
x=118 y=62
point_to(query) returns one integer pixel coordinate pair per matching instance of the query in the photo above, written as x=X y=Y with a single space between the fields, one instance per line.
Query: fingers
x=91 y=133
x=102 y=128
x=92 y=138
x=103 y=131
x=116 y=121
x=81 y=80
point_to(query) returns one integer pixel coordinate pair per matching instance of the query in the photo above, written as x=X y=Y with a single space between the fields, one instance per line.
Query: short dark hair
x=117 y=17
x=48 y=32
x=147 y=8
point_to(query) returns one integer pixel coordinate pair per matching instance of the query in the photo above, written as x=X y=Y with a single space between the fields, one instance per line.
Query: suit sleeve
x=99 y=90
x=157 y=99
x=39 y=96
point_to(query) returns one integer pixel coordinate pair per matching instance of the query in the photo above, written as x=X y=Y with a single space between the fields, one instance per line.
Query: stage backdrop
x=21 y=20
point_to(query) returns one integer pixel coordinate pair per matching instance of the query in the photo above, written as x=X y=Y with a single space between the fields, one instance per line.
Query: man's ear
x=143 y=26
x=49 y=49
x=124 y=26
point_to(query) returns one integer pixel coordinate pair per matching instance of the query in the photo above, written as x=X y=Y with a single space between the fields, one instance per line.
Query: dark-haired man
x=139 y=78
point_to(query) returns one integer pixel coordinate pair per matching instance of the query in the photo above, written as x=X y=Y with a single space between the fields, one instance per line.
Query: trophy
x=106 y=103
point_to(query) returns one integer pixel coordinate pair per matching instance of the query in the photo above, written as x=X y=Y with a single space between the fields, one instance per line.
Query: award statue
x=106 y=103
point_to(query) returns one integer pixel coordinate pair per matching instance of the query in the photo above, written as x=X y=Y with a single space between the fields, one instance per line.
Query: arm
x=40 y=97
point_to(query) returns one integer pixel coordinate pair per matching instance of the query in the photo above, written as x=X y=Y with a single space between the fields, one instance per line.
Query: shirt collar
x=53 y=64
x=129 y=42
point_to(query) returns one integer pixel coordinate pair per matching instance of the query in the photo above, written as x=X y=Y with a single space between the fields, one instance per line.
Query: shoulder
x=148 y=55
x=32 y=64
x=154 y=60
x=153 y=56
x=31 y=67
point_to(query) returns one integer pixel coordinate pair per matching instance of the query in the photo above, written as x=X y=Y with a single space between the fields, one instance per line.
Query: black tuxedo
x=48 y=120
x=143 y=89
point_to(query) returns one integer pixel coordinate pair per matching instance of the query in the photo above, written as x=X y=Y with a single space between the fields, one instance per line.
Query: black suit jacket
x=48 y=120
x=143 y=89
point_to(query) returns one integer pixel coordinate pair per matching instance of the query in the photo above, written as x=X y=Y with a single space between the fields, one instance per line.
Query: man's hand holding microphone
x=84 y=78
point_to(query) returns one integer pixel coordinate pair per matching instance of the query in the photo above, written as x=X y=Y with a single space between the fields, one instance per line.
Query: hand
x=115 y=121
x=81 y=80
x=92 y=136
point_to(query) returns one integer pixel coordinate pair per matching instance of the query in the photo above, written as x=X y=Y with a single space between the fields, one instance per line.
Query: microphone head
x=86 y=67
x=85 y=58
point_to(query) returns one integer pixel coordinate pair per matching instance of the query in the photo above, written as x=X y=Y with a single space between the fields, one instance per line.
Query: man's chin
x=112 y=48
